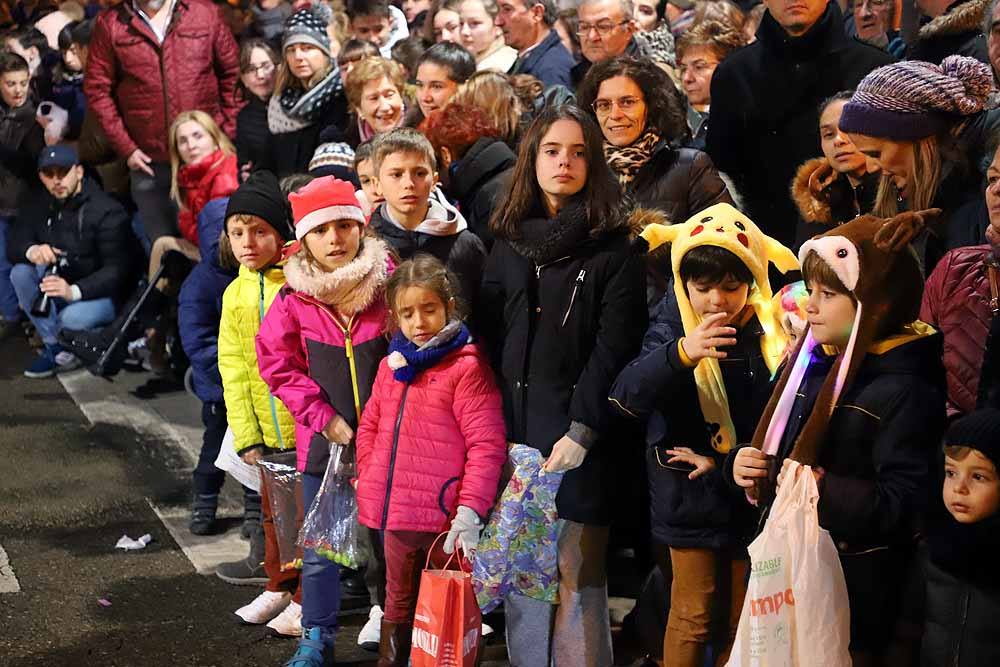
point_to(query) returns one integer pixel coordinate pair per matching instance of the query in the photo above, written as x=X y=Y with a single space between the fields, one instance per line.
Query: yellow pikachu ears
x=782 y=258
x=657 y=234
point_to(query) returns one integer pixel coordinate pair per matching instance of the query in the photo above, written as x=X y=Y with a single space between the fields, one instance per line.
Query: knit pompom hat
x=324 y=200
x=306 y=26
x=911 y=100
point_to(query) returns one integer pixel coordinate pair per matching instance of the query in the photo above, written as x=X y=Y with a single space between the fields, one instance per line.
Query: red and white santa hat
x=324 y=200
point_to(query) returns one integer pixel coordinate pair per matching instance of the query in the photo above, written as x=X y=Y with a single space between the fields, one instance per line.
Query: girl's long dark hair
x=601 y=195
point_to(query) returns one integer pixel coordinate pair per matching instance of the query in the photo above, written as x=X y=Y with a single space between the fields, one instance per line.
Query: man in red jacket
x=148 y=61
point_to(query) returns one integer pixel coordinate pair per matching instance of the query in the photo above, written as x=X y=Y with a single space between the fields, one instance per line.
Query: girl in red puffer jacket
x=431 y=442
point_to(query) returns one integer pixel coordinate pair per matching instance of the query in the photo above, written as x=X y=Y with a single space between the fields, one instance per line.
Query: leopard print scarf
x=626 y=161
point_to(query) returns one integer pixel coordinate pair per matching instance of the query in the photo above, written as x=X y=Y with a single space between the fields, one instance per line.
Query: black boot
x=394 y=644
x=251 y=514
x=203 y=514
x=248 y=571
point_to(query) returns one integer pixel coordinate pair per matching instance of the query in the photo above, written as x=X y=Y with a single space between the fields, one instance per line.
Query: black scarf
x=545 y=239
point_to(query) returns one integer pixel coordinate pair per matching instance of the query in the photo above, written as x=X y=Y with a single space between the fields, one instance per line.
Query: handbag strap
x=991 y=272
x=461 y=559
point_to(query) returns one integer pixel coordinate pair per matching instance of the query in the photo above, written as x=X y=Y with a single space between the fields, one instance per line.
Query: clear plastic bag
x=284 y=491
x=331 y=524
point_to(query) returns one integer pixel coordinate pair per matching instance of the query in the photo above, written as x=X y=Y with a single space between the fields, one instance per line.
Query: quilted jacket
x=426 y=447
x=957 y=303
x=319 y=363
x=137 y=86
x=254 y=416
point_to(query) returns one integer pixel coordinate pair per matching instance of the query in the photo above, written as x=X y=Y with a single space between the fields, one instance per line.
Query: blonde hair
x=373 y=68
x=284 y=79
x=207 y=122
x=926 y=179
x=493 y=93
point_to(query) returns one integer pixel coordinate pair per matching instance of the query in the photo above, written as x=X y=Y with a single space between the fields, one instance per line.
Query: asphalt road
x=68 y=491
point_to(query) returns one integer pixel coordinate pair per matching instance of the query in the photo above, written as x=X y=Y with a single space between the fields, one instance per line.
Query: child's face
x=830 y=314
x=334 y=244
x=971 y=487
x=728 y=296
x=373 y=29
x=434 y=87
x=256 y=244
x=406 y=181
x=838 y=148
x=421 y=313
x=369 y=183
x=14 y=88
x=413 y=7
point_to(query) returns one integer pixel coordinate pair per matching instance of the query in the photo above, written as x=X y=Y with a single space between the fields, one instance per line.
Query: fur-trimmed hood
x=965 y=17
x=817 y=191
x=351 y=288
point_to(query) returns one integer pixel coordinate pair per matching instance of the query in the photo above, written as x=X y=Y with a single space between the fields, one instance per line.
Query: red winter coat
x=430 y=446
x=957 y=302
x=212 y=177
x=137 y=86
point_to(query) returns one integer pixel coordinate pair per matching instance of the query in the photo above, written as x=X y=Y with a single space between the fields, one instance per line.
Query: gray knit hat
x=911 y=100
x=306 y=26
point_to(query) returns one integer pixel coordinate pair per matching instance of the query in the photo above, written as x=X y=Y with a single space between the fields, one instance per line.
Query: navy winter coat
x=200 y=304
x=549 y=62
x=704 y=512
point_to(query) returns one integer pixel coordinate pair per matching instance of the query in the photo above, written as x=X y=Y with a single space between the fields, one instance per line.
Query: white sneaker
x=289 y=622
x=371 y=633
x=486 y=630
x=264 y=607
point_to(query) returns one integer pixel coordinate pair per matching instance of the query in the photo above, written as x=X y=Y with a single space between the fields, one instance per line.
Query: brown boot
x=394 y=644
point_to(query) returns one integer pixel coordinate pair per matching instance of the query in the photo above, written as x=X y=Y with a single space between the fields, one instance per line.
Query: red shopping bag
x=447 y=623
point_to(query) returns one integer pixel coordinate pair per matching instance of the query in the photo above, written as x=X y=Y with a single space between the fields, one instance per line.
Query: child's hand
x=464 y=532
x=338 y=431
x=252 y=456
x=750 y=465
x=784 y=474
x=566 y=455
x=702 y=464
x=707 y=336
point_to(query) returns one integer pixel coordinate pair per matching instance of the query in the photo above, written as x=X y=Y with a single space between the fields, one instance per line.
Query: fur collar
x=351 y=288
x=810 y=180
x=962 y=18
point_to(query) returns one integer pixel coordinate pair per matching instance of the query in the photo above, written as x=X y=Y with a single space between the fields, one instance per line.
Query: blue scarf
x=407 y=360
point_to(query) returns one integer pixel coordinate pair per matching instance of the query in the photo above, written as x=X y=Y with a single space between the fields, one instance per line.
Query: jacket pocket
x=679 y=502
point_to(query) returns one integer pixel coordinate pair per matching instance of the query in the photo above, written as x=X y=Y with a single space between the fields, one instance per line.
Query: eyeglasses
x=875 y=4
x=262 y=69
x=626 y=104
x=602 y=28
x=698 y=67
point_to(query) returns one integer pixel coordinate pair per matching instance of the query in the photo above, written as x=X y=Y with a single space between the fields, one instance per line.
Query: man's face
x=796 y=16
x=520 y=23
x=62 y=182
x=872 y=18
x=604 y=30
x=374 y=29
x=14 y=88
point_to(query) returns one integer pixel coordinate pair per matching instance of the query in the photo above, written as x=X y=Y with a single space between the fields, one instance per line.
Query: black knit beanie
x=980 y=430
x=261 y=195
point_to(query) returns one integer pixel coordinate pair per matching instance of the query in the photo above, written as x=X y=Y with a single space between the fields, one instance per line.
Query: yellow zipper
x=348 y=350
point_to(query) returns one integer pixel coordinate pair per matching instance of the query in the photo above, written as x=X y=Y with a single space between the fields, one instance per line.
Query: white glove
x=465 y=530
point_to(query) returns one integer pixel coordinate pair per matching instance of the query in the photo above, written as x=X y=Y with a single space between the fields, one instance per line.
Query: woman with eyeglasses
x=699 y=52
x=258 y=63
x=641 y=116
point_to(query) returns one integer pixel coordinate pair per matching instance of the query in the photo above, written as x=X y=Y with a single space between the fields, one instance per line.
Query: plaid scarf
x=626 y=161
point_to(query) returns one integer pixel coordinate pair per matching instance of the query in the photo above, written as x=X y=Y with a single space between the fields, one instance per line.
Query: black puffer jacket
x=21 y=140
x=703 y=513
x=91 y=228
x=679 y=182
x=764 y=119
x=479 y=180
x=560 y=332
x=252 y=133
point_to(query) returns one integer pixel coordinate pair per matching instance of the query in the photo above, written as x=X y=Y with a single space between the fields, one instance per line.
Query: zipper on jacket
x=572 y=298
x=392 y=456
x=270 y=396
x=966 y=594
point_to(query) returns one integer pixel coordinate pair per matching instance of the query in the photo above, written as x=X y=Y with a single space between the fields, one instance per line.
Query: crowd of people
x=609 y=264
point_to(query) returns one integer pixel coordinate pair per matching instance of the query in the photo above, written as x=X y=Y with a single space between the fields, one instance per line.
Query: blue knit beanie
x=911 y=100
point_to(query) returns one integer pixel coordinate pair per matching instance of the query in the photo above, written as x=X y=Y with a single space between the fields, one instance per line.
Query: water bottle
x=43 y=303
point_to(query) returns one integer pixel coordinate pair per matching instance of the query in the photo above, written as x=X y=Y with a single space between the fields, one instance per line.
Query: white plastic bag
x=796 y=612
x=229 y=461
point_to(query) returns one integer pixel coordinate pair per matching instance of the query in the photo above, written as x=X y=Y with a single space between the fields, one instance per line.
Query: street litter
x=128 y=544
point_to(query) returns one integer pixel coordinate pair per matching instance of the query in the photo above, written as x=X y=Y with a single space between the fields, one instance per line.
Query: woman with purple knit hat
x=926 y=127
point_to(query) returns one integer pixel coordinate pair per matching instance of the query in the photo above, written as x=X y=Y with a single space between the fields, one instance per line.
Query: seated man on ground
x=80 y=233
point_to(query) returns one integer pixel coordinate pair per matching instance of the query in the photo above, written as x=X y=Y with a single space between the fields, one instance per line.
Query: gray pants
x=151 y=194
x=577 y=632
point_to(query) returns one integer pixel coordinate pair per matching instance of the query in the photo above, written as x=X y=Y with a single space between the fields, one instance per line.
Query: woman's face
x=840 y=152
x=561 y=165
x=993 y=199
x=478 y=31
x=71 y=58
x=434 y=87
x=621 y=110
x=697 y=67
x=334 y=244
x=645 y=14
x=194 y=142
x=413 y=7
x=305 y=61
x=894 y=158
x=381 y=105
x=447 y=27
x=259 y=74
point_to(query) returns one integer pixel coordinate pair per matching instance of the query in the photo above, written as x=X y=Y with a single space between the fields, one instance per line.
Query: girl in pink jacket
x=318 y=348
x=431 y=443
